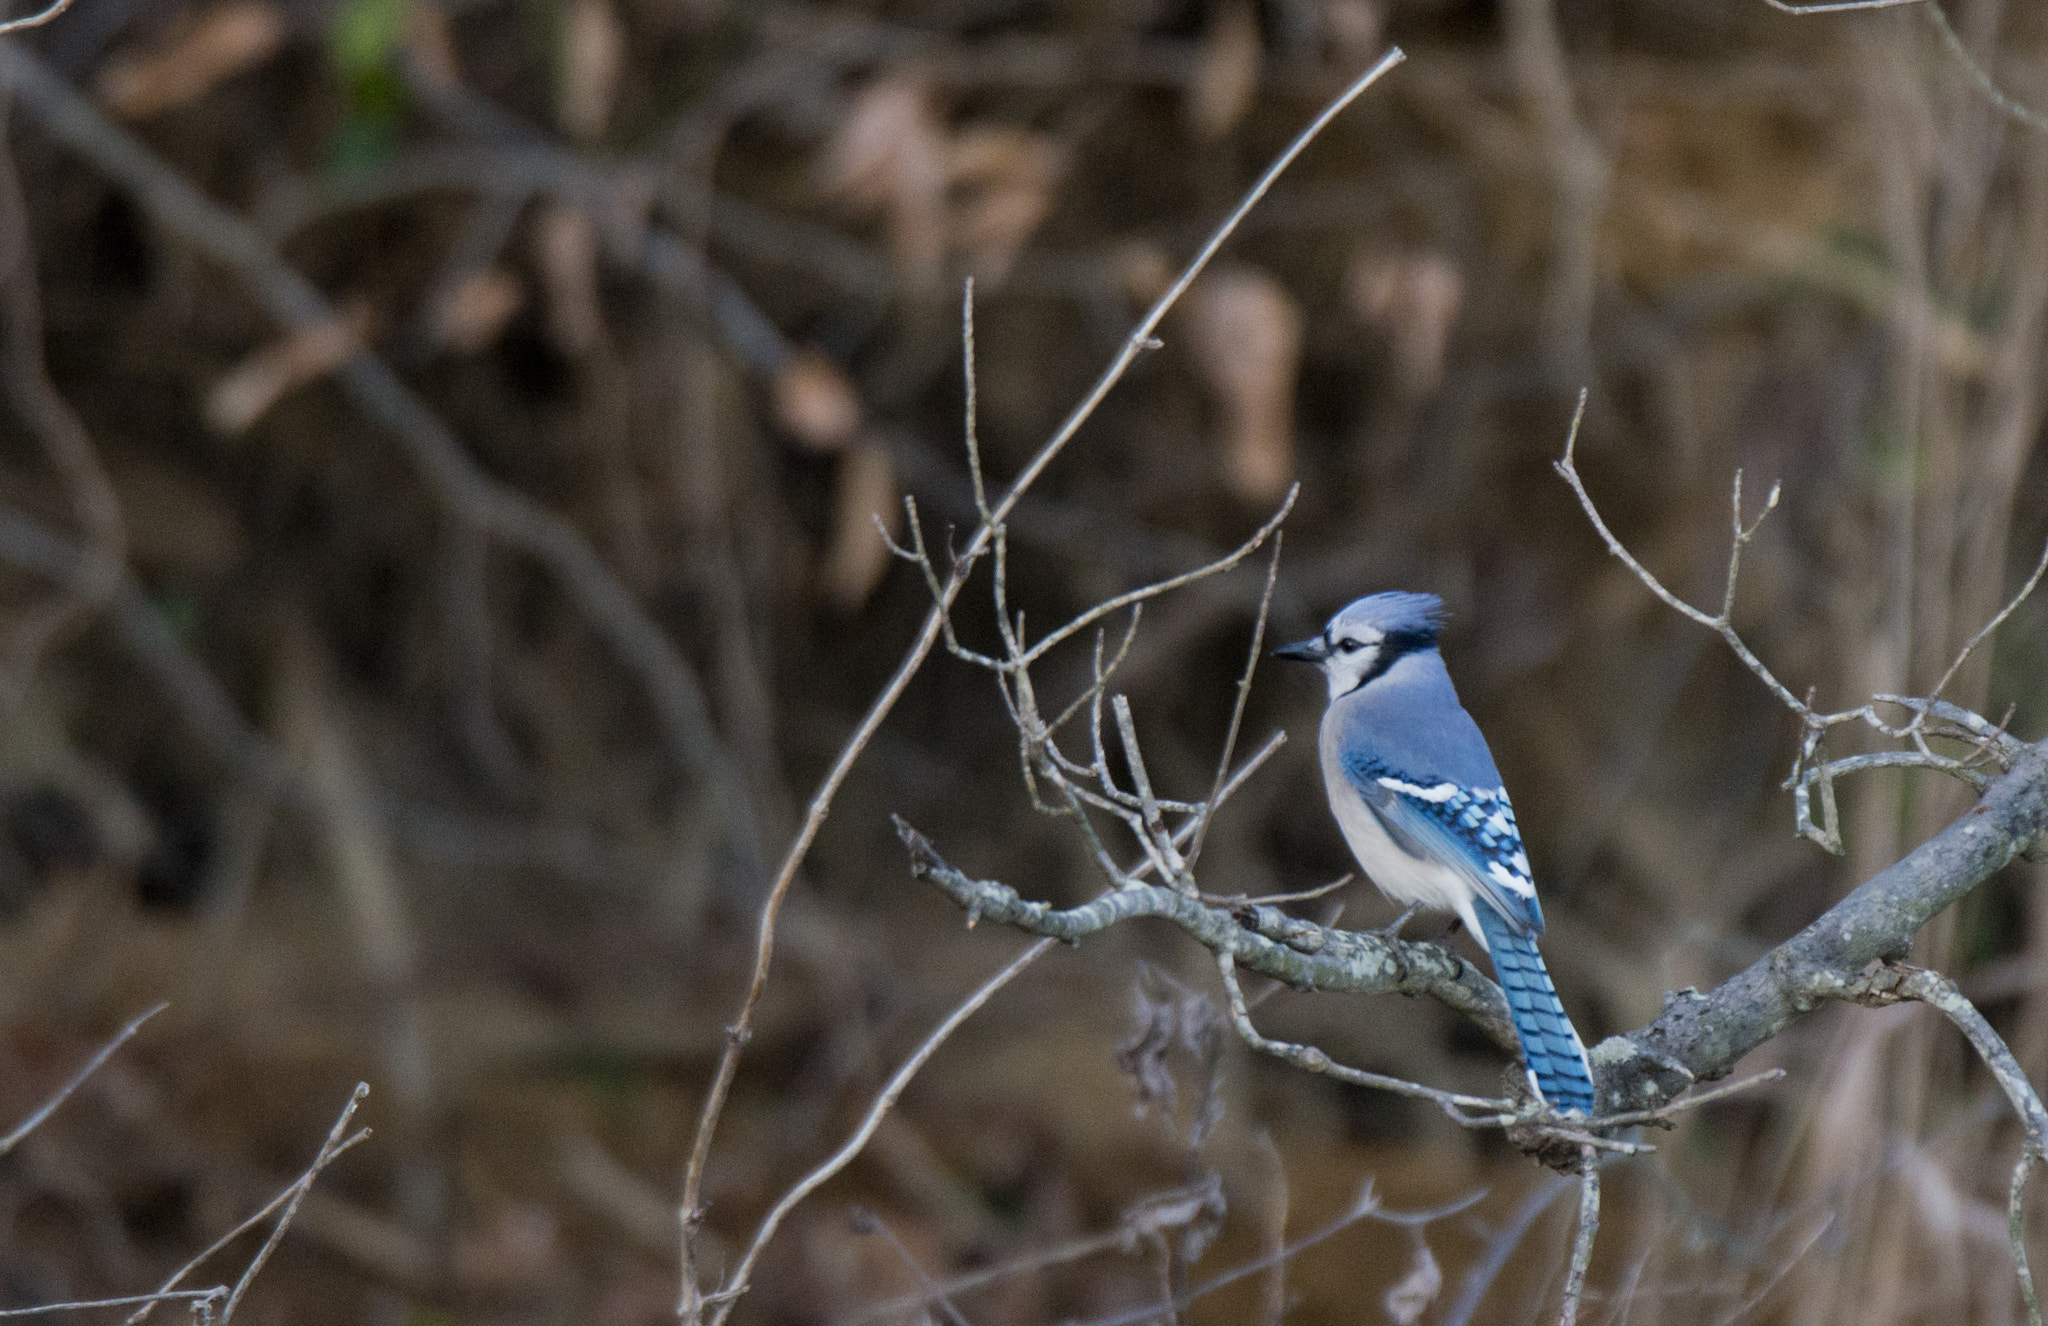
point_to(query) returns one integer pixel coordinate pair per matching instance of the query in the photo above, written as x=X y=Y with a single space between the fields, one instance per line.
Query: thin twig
x=1885 y=984
x=1821 y=1226
x=2026 y=115
x=2016 y=1227
x=971 y=410
x=1316 y=1060
x=934 y=1292
x=36 y=19
x=1244 y=690
x=736 y=1285
x=1582 y=1241
x=1472 y=1289
x=1365 y=1208
x=1721 y=624
x=1693 y=1101
x=1158 y=587
x=1269 y=899
x=1111 y=1240
x=1155 y=837
x=2012 y=605
x=335 y=1144
x=289 y=1198
x=63 y=1093
x=195 y=1296
x=1223 y=794
x=1811 y=767
x=1838 y=6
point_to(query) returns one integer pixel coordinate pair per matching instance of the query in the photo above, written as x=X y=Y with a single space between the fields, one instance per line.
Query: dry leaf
x=857 y=557
x=1415 y=299
x=1246 y=332
x=593 y=53
x=814 y=402
x=1005 y=178
x=1352 y=31
x=469 y=316
x=565 y=246
x=248 y=390
x=218 y=43
x=1226 y=70
x=1407 y=1300
x=888 y=158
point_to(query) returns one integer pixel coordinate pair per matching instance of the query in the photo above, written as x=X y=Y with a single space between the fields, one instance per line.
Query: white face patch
x=1353 y=652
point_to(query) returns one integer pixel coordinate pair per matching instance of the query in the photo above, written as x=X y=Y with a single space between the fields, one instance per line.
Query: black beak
x=1312 y=650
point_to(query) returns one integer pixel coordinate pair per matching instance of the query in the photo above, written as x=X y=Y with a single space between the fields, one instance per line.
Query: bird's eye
x=1349 y=646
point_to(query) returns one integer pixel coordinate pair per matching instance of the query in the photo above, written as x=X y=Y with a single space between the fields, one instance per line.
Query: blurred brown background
x=360 y=763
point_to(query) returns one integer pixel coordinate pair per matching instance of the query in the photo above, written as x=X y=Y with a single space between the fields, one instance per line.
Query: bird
x=1414 y=789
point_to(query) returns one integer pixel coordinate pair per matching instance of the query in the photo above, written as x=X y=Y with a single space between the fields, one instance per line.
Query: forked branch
x=1927 y=718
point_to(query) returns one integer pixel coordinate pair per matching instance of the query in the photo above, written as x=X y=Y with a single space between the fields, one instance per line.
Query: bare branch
x=1355 y=962
x=736 y=1284
x=1883 y=984
x=63 y=1093
x=337 y=1142
x=1701 y=1037
x=1315 y=1060
x=1811 y=768
x=2016 y=1227
x=1367 y=1207
x=1568 y=469
x=1155 y=589
x=2012 y=605
x=1480 y=1278
x=191 y=1296
x=1582 y=1241
x=2026 y=115
x=1157 y=840
x=1223 y=794
x=1244 y=690
x=1838 y=6
x=1069 y=1251
x=288 y=1201
x=867 y=1221
x=36 y=19
x=1693 y=1101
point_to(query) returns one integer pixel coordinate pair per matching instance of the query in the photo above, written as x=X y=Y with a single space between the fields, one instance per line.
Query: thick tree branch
x=1703 y=1036
x=1699 y=1037
x=1262 y=939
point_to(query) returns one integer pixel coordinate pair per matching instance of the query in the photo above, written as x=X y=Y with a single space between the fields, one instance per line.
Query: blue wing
x=1470 y=829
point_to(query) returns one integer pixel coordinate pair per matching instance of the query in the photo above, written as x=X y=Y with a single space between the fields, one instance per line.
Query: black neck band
x=1394 y=648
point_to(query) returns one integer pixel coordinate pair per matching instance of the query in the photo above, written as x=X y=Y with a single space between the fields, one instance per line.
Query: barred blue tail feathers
x=1557 y=1062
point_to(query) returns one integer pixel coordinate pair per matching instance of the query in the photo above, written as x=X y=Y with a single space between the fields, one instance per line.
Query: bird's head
x=1365 y=639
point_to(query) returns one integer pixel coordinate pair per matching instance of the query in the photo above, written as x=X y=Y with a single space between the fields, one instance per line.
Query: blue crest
x=1395 y=612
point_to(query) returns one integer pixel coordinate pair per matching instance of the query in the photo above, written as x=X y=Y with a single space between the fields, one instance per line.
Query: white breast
x=1397 y=874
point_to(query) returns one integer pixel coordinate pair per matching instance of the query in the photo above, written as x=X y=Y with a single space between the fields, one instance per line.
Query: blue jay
x=1414 y=789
